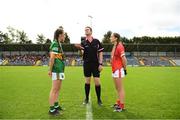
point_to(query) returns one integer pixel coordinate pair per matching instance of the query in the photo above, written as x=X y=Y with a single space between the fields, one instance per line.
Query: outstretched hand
x=78 y=46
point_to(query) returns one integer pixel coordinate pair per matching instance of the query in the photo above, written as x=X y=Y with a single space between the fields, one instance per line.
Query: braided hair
x=116 y=35
x=58 y=32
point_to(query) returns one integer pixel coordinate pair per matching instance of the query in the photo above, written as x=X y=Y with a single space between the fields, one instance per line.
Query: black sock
x=56 y=105
x=98 y=91
x=52 y=109
x=87 y=89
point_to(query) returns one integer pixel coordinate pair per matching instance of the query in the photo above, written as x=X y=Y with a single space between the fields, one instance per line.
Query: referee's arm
x=100 y=50
x=100 y=57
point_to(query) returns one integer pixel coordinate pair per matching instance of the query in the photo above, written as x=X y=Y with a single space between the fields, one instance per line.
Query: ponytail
x=116 y=35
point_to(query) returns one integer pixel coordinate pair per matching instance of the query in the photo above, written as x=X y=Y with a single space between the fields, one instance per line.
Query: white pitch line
x=89 y=115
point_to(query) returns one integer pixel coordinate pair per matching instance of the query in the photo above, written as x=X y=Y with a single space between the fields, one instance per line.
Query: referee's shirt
x=91 y=50
x=91 y=57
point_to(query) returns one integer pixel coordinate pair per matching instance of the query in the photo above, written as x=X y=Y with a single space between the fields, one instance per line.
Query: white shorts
x=58 y=76
x=118 y=73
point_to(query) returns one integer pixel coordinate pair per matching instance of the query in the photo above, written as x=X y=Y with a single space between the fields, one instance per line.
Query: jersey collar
x=88 y=40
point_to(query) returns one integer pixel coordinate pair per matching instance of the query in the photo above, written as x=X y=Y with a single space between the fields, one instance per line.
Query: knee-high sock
x=98 y=91
x=87 y=89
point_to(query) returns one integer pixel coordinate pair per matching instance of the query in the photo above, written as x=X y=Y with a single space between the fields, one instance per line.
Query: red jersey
x=116 y=57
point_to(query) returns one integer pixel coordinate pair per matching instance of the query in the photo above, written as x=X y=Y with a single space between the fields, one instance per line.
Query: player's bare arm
x=78 y=46
x=124 y=61
x=51 y=63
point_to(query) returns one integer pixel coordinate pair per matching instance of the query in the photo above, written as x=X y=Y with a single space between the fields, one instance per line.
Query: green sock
x=56 y=105
x=52 y=109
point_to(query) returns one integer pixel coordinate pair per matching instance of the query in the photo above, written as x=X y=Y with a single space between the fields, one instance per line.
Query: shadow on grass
x=106 y=112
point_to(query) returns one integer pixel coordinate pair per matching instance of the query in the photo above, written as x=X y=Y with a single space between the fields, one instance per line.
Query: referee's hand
x=100 y=68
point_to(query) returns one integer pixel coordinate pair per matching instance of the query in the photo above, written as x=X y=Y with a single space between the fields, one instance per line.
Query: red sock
x=122 y=105
x=118 y=102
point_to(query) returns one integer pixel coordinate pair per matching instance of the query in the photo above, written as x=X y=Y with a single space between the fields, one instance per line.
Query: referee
x=92 y=51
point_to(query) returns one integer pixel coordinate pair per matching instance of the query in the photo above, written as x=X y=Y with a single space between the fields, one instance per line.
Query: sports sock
x=52 y=109
x=118 y=102
x=98 y=91
x=87 y=89
x=121 y=105
x=56 y=105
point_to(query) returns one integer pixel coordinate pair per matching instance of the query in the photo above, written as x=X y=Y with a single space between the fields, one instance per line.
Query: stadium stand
x=177 y=61
x=33 y=54
x=27 y=59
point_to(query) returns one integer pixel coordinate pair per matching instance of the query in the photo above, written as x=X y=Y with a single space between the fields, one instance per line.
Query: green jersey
x=59 y=65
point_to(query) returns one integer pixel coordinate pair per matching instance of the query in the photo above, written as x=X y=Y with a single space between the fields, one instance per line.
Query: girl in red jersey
x=118 y=63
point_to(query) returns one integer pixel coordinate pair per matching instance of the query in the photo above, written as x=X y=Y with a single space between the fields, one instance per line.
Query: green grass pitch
x=151 y=92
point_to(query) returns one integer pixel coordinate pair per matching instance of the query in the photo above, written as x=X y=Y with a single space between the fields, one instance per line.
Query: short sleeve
x=82 y=45
x=54 y=48
x=121 y=50
x=100 y=47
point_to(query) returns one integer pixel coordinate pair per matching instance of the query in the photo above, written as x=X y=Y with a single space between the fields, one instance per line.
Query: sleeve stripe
x=82 y=47
x=123 y=54
x=54 y=52
x=101 y=49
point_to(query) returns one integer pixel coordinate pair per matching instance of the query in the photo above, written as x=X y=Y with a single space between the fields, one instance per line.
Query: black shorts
x=91 y=69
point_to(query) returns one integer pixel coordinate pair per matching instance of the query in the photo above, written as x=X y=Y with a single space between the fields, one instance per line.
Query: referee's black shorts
x=91 y=69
